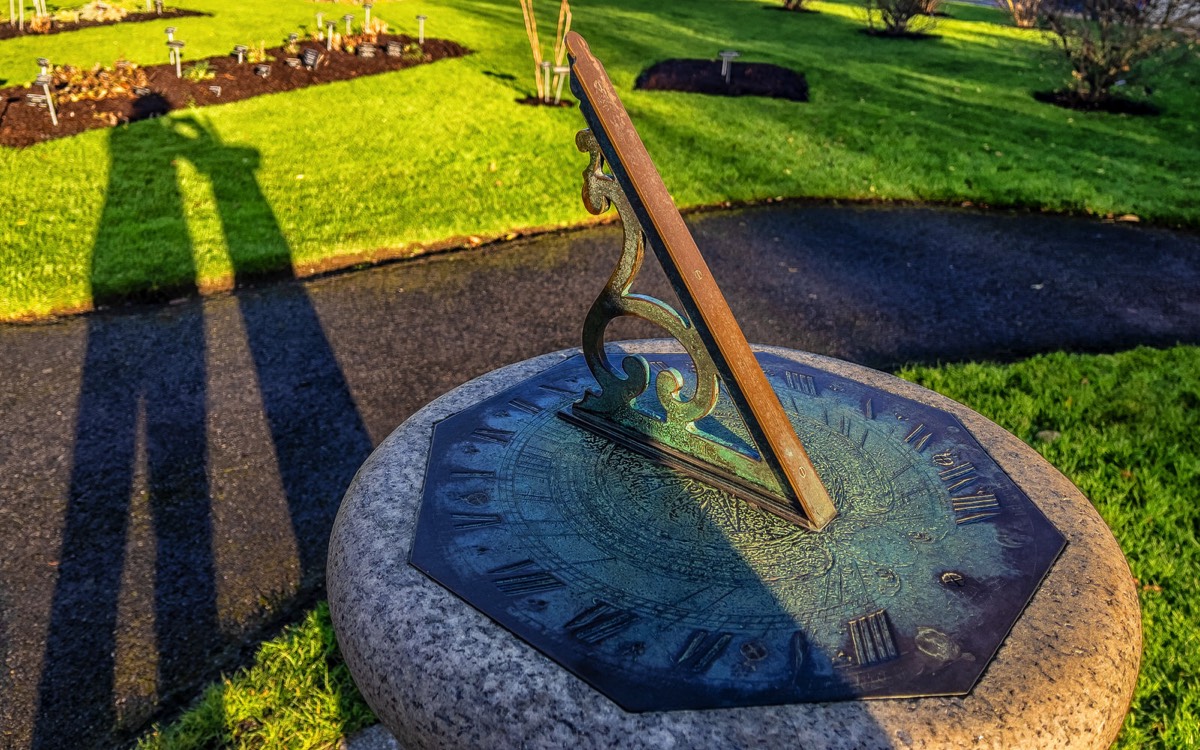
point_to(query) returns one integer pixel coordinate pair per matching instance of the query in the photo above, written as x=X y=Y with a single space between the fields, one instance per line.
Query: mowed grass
x=1136 y=457
x=388 y=165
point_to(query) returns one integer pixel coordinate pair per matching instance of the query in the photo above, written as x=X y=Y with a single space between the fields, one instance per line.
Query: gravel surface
x=169 y=474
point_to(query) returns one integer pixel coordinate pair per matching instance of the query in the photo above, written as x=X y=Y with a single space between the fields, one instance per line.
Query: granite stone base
x=441 y=675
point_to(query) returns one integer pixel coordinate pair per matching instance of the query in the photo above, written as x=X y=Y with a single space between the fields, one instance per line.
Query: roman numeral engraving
x=522 y=578
x=799 y=654
x=974 y=508
x=471 y=474
x=525 y=406
x=474 y=520
x=702 y=649
x=961 y=475
x=599 y=623
x=871 y=639
x=799 y=382
x=869 y=409
x=493 y=435
x=919 y=436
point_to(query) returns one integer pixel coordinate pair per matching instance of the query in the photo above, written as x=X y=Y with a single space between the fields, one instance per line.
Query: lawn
x=1137 y=459
x=442 y=155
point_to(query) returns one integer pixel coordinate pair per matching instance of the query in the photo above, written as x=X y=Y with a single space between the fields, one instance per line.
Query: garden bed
x=1114 y=105
x=10 y=31
x=22 y=125
x=704 y=77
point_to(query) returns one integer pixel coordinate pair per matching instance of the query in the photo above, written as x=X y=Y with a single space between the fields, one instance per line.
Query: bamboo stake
x=560 y=45
x=535 y=45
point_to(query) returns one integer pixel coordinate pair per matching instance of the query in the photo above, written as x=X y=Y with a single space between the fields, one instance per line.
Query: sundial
x=704 y=527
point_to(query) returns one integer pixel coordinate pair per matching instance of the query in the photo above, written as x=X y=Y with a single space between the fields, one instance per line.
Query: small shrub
x=795 y=4
x=100 y=11
x=73 y=84
x=200 y=71
x=1024 y=12
x=900 y=17
x=1106 y=42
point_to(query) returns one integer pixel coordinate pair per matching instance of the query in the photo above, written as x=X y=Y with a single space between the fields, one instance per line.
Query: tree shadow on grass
x=140 y=473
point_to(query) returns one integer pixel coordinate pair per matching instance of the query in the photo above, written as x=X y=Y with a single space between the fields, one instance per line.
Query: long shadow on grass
x=140 y=470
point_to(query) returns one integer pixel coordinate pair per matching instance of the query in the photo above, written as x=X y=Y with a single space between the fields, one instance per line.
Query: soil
x=10 y=31
x=913 y=36
x=1114 y=105
x=533 y=101
x=704 y=77
x=22 y=125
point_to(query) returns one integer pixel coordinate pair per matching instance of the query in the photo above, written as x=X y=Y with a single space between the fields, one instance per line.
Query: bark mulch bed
x=1113 y=105
x=23 y=125
x=10 y=31
x=704 y=77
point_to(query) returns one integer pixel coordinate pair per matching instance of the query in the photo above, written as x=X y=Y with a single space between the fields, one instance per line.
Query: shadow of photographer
x=140 y=473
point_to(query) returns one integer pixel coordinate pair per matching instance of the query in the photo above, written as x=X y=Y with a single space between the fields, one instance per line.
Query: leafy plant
x=541 y=82
x=200 y=71
x=1106 y=42
x=258 y=54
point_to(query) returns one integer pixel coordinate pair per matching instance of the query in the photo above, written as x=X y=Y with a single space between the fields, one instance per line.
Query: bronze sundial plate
x=665 y=593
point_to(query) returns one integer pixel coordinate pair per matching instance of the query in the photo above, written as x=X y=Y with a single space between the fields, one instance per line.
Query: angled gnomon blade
x=777 y=474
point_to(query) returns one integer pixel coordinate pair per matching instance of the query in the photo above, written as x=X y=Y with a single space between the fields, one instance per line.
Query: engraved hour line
x=525 y=406
x=799 y=382
x=599 y=623
x=556 y=389
x=871 y=638
x=869 y=409
x=702 y=649
x=919 y=437
x=469 y=474
x=494 y=435
x=974 y=508
x=962 y=475
x=474 y=520
x=522 y=578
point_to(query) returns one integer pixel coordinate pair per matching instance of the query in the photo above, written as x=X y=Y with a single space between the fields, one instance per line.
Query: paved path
x=169 y=475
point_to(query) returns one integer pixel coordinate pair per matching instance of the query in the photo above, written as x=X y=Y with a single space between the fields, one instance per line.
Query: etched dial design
x=665 y=593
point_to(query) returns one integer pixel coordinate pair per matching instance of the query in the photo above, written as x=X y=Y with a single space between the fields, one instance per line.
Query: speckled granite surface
x=441 y=675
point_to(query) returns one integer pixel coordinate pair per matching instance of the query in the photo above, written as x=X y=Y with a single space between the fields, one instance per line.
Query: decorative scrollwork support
x=619 y=389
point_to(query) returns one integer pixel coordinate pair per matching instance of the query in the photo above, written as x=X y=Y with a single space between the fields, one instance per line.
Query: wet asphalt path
x=168 y=475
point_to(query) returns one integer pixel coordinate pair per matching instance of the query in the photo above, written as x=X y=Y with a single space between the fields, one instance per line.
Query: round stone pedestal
x=439 y=674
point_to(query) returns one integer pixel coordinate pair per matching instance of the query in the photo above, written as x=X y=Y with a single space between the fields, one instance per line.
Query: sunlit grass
x=386 y=165
x=297 y=694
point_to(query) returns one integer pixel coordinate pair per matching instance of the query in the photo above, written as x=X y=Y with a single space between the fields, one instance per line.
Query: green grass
x=298 y=693
x=1128 y=425
x=387 y=165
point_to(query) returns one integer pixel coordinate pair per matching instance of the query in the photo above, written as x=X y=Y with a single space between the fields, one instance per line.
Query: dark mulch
x=533 y=101
x=22 y=125
x=1113 y=105
x=704 y=77
x=912 y=36
x=8 y=31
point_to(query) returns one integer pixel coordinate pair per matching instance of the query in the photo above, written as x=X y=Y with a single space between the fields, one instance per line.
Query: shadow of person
x=141 y=442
